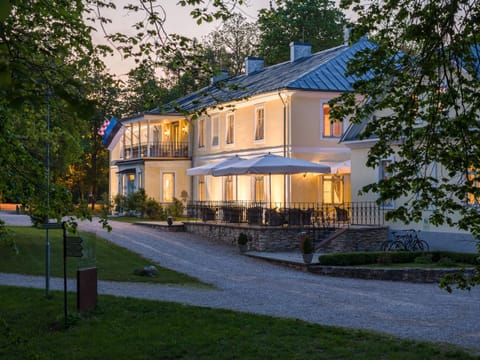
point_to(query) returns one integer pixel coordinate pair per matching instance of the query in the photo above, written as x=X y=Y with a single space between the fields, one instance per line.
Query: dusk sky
x=178 y=21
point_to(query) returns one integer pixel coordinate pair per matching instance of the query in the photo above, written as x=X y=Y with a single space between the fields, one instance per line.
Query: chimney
x=299 y=50
x=253 y=64
x=216 y=78
x=346 y=35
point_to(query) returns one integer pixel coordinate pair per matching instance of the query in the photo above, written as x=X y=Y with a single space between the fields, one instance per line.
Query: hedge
x=393 y=257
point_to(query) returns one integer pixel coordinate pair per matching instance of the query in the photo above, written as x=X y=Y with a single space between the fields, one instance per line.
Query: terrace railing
x=169 y=149
x=289 y=214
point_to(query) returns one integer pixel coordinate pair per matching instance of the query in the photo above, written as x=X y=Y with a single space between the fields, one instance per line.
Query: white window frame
x=257 y=109
x=227 y=129
x=215 y=119
x=201 y=133
x=380 y=175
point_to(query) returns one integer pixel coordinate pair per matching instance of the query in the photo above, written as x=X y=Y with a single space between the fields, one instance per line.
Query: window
x=330 y=129
x=215 y=130
x=259 y=188
x=259 y=123
x=473 y=176
x=230 y=138
x=229 y=188
x=201 y=188
x=201 y=133
x=385 y=173
x=332 y=189
x=168 y=187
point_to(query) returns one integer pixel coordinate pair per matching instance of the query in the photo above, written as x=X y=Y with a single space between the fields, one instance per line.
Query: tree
x=47 y=66
x=419 y=90
x=231 y=43
x=315 y=21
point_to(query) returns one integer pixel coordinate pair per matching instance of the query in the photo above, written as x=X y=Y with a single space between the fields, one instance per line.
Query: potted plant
x=242 y=242
x=306 y=247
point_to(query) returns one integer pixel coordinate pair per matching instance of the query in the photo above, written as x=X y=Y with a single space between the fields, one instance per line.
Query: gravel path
x=415 y=311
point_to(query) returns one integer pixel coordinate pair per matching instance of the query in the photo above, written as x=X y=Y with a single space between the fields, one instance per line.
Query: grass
x=113 y=262
x=31 y=327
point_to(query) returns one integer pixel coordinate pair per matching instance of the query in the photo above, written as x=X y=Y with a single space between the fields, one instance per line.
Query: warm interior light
x=167 y=132
x=184 y=129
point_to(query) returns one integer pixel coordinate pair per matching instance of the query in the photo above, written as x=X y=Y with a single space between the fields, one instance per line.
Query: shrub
x=447 y=262
x=424 y=259
x=176 y=208
x=120 y=201
x=307 y=245
x=397 y=257
x=242 y=239
x=153 y=209
x=136 y=202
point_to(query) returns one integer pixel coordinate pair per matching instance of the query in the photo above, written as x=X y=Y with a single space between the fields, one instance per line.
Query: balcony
x=168 y=149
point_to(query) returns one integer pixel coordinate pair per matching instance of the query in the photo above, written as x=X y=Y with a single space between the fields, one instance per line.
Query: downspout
x=284 y=146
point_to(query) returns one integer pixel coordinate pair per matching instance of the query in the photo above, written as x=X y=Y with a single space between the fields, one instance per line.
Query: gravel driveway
x=415 y=311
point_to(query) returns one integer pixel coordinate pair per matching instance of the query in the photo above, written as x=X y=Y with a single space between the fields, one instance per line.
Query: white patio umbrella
x=207 y=169
x=271 y=164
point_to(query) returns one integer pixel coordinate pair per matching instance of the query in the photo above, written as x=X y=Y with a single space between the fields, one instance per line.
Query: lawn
x=31 y=327
x=113 y=262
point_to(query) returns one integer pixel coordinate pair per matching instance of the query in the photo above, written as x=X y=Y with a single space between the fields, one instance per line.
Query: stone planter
x=243 y=248
x=307 y=258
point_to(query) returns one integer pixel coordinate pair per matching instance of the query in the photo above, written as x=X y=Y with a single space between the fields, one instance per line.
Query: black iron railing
x=290 y=214
x=172 y=149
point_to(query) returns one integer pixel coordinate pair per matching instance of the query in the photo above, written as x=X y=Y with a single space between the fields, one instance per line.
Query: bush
x=447 y=262
x=307 y=245
x=135 y=202
x=424 y=259
x=242 y=239
x=176 y=208
x=153 y=209
x=397 y=257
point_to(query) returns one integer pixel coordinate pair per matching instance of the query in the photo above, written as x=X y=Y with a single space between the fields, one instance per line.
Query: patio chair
x=342 y=214
x=254 y=215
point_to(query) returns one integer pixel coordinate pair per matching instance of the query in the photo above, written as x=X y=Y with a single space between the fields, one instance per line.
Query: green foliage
x=419 y=87
x=120 y=202
x=176 y=208
x=242 y=238
x=113 y=262
x=127 y=328
x=307 y=245
x=153 y=209
x=424 y=259
x=135 y=202
x=396 y=257
x=318 y=22
x=6 y=237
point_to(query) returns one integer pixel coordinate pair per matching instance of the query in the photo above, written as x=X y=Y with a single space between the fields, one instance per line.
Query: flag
x=104 y=127
x=112 y=131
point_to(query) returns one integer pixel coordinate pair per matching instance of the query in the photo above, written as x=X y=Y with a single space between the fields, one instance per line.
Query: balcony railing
x=290 y=214
x=171 y=149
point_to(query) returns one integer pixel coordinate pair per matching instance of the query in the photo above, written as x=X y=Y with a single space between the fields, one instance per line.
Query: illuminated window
x=230 y=138
x=215 y=130
x=332 y=189
x=229 y=188
x=473 y=198
x=201 y=133
x=201 y=188
x=330 y=129
x=168 y=189
x=259 y=124
x=259 y=188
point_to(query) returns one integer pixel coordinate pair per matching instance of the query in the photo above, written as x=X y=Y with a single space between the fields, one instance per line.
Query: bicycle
x=410 y=240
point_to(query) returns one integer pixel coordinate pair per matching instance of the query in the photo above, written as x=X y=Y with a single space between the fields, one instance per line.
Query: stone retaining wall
x=265 y=238
x=355 y=238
